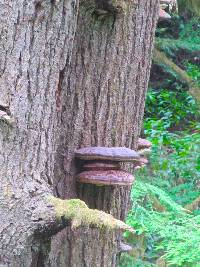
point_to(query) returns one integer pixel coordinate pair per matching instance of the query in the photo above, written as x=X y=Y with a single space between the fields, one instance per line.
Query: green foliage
x=188 y=38
x=179 y=34
x=163 y=189
x=159 y=195
x=170 y=183
x=190 y=31
x=172 y=107
x=194 y=72
x=175 y=161
x=181 y=247
x=184 y=49
x=170 y=46
x=128 y=261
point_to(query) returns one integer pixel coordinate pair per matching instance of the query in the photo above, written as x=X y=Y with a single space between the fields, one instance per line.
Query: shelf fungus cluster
x=101 y=183
x=101 y=165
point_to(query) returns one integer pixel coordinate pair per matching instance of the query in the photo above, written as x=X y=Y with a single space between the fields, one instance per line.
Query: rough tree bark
x=69 y=78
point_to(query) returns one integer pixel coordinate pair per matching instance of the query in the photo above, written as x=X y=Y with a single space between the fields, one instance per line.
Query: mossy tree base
x=94 y=238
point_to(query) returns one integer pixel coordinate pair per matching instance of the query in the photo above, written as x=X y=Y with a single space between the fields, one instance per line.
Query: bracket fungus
x=120 y=154
x=123 y=247
x=105 y=177
x=143 y=143
x=141 y=163
x=165 y=7
x=166 y=2
x=163 y=15
x=102 y=184
x=144 y=149
x=100 y=165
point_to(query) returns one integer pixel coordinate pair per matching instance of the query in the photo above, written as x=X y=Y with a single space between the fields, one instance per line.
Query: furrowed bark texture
x=105 y=88
x=35 y=43
x=111 y=199
x=68 y=79
x=106 y=82
x=103 y=248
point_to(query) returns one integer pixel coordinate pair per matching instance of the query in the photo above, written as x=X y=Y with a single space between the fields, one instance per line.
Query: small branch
x=161 y=59
x=79 y=214
x=52 y=214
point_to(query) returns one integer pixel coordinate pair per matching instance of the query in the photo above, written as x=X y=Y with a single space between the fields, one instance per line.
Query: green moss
x=80 y=215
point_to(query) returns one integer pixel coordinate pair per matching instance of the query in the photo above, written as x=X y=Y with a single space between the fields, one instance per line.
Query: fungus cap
x=163 y=15
x=143 y=143
x=123 y=247
x=110 y=177
x=101 y=165
x=141 y=161
x=107 y=153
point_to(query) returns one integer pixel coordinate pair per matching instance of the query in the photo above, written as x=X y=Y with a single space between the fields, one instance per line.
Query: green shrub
x=166 y=194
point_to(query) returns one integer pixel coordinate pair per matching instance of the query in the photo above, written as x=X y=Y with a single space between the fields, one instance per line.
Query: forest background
x=166 y=194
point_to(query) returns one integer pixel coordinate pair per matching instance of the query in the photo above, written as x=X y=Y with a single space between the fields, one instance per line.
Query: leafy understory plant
x=166 y=194
x=170 y=230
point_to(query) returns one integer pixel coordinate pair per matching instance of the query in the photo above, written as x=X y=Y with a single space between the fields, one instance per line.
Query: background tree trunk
x=69 y=78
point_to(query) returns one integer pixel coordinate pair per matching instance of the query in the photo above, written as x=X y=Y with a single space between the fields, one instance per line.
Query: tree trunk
x=70 y=77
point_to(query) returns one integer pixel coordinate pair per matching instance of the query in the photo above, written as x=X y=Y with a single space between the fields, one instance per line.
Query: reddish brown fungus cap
x=110 y=177
x=143 y=143
x=141 y=161
x=140 y=164
x=101 y=165
x=107 y=153
x=163 y=15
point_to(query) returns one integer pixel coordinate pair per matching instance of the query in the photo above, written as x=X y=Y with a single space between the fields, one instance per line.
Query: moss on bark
x=78 y=212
